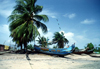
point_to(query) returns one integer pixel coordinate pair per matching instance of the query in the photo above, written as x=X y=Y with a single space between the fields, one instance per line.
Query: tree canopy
x=60 y=39
x=90 y=45
x=25 y=21
x=43 y=41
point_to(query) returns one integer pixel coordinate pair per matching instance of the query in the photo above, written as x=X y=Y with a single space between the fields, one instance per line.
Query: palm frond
x=19 y=9
x=37 y=9
x=13 y=17
x=21 y=2
x=42 y=26
x=20 y=20
x=41 y=17
x=35 y=32
x=19 y=30
x=15 y=24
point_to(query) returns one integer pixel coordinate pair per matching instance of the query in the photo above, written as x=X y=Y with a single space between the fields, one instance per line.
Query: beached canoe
x=95 y=55
x=83 y=51
x=57 y=51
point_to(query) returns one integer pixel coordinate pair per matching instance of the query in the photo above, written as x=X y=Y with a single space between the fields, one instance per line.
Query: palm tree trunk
x=27 y=57
x=21 y=46
x=61 y=44
x=25 y=46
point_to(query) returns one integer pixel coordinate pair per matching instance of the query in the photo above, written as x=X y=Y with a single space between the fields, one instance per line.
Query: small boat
x=95 y=55
x=85 y=51
x=58 y=51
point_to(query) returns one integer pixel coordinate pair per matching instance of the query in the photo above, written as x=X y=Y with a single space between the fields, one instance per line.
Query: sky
x=78 y=19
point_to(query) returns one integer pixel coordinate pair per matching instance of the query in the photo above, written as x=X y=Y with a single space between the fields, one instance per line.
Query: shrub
x=30 y=47
x=90 y=45
x=76 y=48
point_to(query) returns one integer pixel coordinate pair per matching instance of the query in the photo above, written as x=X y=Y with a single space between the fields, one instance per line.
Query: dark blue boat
x=58 y=51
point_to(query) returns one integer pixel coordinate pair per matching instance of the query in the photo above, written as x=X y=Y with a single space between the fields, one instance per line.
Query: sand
x=42 y=61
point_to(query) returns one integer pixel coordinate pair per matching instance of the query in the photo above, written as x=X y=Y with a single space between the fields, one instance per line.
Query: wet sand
x=42 y=61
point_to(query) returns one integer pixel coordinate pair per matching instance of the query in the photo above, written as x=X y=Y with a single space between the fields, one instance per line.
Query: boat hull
x=58 y=51
x=84 y=52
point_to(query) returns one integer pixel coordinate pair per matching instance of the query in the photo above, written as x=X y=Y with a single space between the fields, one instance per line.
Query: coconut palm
x=25 y=21
x=60 y=39
x=43 y=41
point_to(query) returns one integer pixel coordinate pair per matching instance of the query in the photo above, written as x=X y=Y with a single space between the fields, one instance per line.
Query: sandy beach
x=42 y=61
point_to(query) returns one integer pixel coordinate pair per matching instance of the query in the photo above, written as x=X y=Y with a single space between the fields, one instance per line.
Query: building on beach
x=4 y=47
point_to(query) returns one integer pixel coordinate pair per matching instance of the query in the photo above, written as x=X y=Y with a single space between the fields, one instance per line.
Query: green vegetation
x=25 y=21
x=76 y=48
x=30 y=47
x=60 y=39
x=43 y=41
x=54 y=46
x=99 y=44
x=90 y=46
x=97 y=49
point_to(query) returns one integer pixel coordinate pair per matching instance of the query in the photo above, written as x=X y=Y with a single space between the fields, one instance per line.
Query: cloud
x=53 y=16
x=87 y=21
x=49 y=34
x=88 y=40
x=65 y=15
x=70 y=16
x=6 y=7
x=4 y=35
x=83 y=40
x=4 y=29
x=70 y=36
x=5 y=13
x=49 y=13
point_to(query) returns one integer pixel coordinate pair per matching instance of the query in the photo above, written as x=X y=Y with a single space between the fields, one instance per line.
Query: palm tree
x=43 y=41
x=25 y=21
x=60 y=39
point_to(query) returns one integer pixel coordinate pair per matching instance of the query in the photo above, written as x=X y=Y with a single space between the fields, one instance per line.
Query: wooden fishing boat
x=85 y=51
x=58 y=51
x=95 y=55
